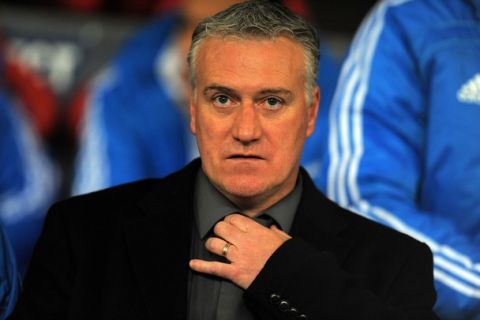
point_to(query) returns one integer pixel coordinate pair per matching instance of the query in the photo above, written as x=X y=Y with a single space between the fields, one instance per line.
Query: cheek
x=287 y=141
x=210 y=133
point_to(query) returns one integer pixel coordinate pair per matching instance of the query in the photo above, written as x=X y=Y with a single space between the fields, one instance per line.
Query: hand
x=251 y=246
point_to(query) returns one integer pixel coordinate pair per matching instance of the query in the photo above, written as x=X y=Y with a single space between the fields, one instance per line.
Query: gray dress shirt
x=213 y=298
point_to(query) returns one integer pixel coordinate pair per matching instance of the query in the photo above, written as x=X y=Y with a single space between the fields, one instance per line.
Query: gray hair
x=260 y=19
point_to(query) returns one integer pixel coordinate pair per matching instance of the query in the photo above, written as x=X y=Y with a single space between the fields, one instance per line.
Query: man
x=125 y=253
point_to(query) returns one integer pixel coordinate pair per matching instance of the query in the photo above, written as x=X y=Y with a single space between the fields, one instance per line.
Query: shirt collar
x=211 y=206
x=284 y=210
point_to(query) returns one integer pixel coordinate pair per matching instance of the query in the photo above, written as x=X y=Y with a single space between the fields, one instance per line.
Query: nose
x=247 y=126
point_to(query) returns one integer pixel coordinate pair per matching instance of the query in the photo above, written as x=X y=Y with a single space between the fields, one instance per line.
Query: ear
x=192 y=103
x=312 y=111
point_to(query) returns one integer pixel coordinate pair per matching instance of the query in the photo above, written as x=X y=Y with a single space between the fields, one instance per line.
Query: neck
x=252 y=206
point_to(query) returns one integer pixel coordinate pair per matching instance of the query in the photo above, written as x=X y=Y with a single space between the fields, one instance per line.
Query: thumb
x=279 y=232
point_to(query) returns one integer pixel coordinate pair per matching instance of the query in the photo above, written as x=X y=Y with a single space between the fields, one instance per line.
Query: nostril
x=245 y=142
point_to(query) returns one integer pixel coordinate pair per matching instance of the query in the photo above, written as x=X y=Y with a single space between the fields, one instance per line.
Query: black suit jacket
x=123 y=253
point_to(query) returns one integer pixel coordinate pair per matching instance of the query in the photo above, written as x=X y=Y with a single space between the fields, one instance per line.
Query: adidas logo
x=470 y=91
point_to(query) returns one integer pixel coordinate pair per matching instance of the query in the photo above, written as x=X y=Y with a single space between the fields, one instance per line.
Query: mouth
x=245 y=157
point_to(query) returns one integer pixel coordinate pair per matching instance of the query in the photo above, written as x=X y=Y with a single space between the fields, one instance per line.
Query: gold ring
x=225 y=249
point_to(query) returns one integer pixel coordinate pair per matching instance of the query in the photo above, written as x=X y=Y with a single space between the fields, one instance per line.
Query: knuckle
x=233 y=218
x=219 y=227
x=231 y=252
x=237 y=273
x=209 y=244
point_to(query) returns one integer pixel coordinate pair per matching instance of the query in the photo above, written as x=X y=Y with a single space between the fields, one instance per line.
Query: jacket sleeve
x=300 y=282
x=378 y=145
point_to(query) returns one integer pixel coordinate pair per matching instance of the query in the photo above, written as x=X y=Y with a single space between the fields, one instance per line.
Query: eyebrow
x=274 y=91
x=216 y=87
x=277 y=91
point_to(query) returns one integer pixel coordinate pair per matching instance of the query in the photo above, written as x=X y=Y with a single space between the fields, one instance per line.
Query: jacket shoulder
x=382 y=237
x=112 y=201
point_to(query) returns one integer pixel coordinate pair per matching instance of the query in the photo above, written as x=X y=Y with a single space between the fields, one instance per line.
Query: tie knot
x=266 y=220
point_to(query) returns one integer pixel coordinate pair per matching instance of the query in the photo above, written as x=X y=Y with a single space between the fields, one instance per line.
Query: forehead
x=259 y=62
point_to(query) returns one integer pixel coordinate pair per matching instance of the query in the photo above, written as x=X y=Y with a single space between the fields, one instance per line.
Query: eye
x=273 y=103
x=222 y=101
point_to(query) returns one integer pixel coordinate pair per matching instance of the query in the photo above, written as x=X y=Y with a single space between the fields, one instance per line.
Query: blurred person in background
x=136 y=115
x=28 y=179
x=404 y=136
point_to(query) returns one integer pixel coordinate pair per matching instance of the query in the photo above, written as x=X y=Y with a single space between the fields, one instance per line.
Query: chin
x=245 y=186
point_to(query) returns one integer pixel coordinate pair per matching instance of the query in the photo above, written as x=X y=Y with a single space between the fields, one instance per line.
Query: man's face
x=250 y=116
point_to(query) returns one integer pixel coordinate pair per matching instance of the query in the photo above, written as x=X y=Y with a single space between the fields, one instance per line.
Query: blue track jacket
x=404 y=138
x=28 y=180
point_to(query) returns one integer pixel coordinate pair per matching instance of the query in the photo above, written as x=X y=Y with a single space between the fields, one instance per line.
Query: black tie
x=266 y=220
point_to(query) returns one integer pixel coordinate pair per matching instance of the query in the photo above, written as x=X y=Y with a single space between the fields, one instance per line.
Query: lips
x=245 y=157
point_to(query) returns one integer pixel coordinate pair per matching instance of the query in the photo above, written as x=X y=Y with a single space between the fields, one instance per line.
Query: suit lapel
x=320 y=222
x=159 y=245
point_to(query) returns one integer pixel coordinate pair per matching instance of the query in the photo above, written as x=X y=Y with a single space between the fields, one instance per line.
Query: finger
x=217 y=245
x=228 y=232
x=214 y=268
x=242 y=222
